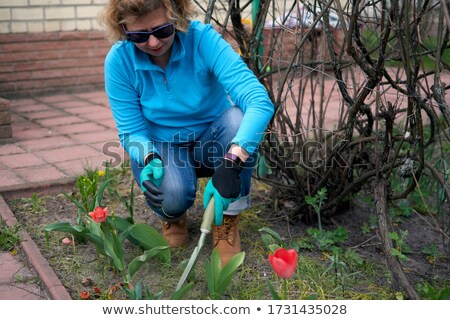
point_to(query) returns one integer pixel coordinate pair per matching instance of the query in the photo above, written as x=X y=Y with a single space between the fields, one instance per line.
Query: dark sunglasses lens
x=164 y=32
x=138 y=37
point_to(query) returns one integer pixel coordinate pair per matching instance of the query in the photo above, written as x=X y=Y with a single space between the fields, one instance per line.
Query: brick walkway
x=55 y=138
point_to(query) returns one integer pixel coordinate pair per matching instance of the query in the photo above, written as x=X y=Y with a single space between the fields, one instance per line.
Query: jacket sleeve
x=126 y=109
x=241 y=85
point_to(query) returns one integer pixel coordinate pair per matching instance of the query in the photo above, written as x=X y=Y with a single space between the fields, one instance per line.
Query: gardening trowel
x=205 y=228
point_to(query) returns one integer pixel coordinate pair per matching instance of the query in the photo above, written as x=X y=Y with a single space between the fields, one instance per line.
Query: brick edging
x=50 y=280
x=26 y=190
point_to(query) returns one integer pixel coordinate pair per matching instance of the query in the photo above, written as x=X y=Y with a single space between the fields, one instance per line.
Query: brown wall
x=41 y=63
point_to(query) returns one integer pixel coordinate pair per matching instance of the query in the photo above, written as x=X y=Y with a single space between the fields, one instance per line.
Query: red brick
x=102 y=136
x=50 y=64
x=22 y=124
x=5 y=118
x=22 y=102
x=4 y=104
x=78 y=166
x=40 y=173
x=9 y=267
x=50 y=45
x=9 y=179
x=20 y=291
x=46 y=143
x=44 y=114
x=47 y=55
x=9 y=149
x=5 y=132
x=31 y=108
x=110 y=123
x=78 y=128
x=73 y=71
x=55 y=36
x=71 y=104
x=91 y=95
x=67 y=153
x=48 y=84
x=55 y=98
x=20 y=160
x=88 y=110
x=31 y=133
x=59 y=121
x=103 y=101
x=100 y=116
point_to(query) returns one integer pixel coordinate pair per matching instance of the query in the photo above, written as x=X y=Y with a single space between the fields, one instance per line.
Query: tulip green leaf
x=273 y=292
x=180 y=293
x=149 y=238
x=270 y=237
x=219 y=278
x=137 y=262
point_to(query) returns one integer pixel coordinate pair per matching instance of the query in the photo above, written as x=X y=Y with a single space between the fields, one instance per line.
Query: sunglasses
x=162 y=32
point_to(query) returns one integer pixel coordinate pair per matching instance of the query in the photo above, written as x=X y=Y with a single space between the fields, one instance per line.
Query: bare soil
x=80 y=268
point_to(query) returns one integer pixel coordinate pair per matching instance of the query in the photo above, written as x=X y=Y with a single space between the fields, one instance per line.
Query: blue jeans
x=185 y=162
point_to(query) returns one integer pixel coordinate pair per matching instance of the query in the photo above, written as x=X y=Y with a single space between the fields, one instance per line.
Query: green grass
x=372 y=40
x=9 y=236
x=339 y=272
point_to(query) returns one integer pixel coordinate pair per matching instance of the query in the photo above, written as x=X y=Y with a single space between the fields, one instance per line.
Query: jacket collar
x=142 y=61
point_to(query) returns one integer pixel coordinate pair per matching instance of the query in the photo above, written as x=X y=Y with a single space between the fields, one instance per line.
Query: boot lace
x=225 y=230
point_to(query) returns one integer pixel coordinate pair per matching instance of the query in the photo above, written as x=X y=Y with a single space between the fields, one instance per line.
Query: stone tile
x=20 y=160
x=44 y=114
x=67 y=154
x=102 y=136
x=46 y=143
x=59 y=121
x=78 y=128
x=41 y=173
x=8 y=149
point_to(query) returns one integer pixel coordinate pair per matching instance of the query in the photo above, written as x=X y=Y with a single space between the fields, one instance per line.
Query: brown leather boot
x=226 y=238
x=176 y=232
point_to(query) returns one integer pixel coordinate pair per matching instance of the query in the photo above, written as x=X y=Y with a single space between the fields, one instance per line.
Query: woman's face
x=158 y=48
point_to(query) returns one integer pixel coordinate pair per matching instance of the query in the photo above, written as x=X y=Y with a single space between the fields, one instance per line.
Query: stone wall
x=38 y=16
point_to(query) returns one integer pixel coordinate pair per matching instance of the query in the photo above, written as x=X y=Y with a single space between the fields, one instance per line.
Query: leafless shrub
x=359 y=97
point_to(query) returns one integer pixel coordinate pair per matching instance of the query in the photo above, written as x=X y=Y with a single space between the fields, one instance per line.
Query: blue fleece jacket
x=203 y=78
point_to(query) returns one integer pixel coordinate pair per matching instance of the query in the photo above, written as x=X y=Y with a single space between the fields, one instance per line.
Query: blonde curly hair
x=118 y=12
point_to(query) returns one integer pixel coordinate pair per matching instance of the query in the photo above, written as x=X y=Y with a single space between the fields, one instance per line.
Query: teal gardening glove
x=225 y=186
x=151 y=178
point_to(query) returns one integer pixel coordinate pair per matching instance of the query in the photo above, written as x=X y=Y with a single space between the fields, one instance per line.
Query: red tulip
x=284 y=262
x=85 y=295
x=99 y=214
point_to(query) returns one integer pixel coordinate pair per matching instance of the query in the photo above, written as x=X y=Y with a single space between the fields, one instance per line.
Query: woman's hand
x=225 y=186
x=151 y=178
